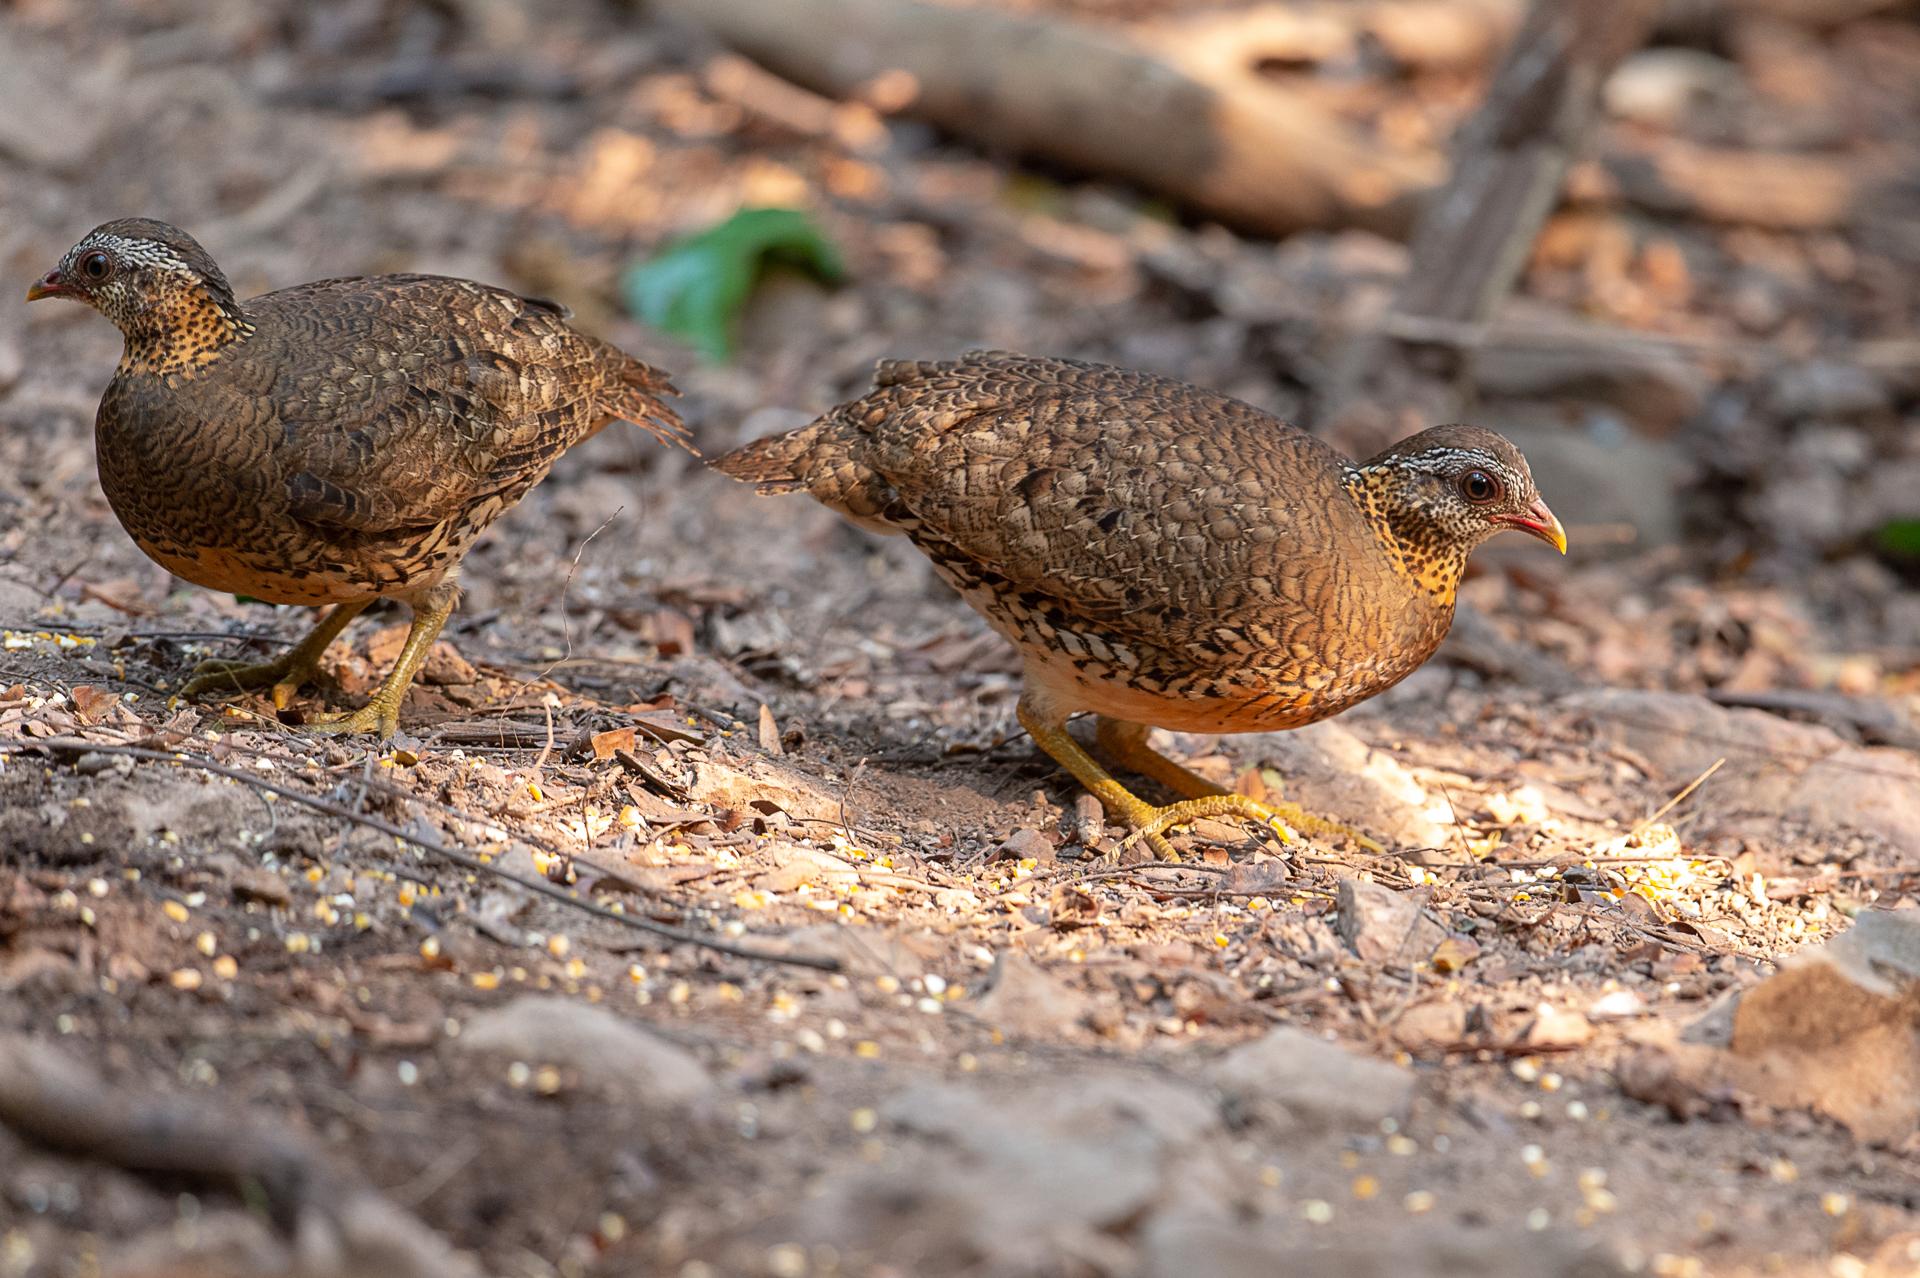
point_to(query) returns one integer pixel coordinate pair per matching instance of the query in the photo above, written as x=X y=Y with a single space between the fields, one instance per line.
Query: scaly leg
x=1126 y=744
x=381 y=714
x=1047 y=724
x=285 y=673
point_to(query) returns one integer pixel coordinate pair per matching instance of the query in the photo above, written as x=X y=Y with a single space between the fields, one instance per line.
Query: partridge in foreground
x=1159 y=554
x=333 y=443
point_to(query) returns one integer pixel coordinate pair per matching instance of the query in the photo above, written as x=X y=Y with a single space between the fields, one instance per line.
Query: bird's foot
x=285 y=675
x=1286 y=820
x=1150 y=823
x=380 y=716
x=1310 y=823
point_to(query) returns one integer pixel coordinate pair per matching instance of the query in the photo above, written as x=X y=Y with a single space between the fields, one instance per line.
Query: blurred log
x=1248 y=152
x=1510 y=161
x=1511 y=158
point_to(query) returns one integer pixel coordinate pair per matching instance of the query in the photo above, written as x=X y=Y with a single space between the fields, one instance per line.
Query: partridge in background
x=1159 y=554
x=333 y=443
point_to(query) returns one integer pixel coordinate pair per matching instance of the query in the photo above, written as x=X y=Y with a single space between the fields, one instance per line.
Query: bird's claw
x=374 y=717
x=1150 y=823
x=221 y=674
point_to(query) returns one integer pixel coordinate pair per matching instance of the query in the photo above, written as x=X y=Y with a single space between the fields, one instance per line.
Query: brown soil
x=1014 y=1070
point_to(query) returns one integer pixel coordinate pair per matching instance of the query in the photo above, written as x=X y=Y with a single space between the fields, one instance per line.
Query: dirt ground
x=739 y=720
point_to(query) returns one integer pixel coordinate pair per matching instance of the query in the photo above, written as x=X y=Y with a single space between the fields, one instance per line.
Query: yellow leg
x=1126 y=744
x=381 y=714
x=1047 y=724
x=285 y=673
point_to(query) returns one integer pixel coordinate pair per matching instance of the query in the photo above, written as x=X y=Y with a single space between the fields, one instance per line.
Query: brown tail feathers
x=637 y=392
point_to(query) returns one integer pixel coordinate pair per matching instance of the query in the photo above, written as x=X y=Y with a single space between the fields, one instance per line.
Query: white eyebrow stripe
x=139 y=252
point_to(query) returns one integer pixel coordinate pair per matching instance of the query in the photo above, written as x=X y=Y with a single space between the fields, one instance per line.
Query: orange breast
x=239 y=575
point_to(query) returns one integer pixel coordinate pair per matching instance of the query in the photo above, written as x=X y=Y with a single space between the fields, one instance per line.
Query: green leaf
x=695 y=288
x=1900 y=537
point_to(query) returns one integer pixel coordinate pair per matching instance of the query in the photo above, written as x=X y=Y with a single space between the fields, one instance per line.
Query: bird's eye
x=1478 y=487
x=96 y=266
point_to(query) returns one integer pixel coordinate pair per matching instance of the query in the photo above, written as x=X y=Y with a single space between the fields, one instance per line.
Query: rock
x=1301 y=1080
x=1009 y=1172
x=1776 y=769
x=1385 y=926
x=1669 y=87
x=1025 y=1001
x=1555 y=1029
x=1837 y=1029
x=1828 y=390
x=19 y=602
x=1326 y=769
x=759 y=783
x=1431 y=1027
x=263 y=886
x=1023 y=845
x=606 y=1050
x=1619 y=1005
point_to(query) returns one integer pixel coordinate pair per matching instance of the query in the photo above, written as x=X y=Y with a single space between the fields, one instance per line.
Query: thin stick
x=1672 y=803
x=566 y=627
x=465 y=860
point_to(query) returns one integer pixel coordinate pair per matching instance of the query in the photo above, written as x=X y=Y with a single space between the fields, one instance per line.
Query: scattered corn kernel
x=175 y=911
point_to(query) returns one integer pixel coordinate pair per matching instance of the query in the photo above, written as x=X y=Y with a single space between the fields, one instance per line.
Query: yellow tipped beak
x=1557 y=535
x=1546 y=526
x=52 y=285
x=1539 y=522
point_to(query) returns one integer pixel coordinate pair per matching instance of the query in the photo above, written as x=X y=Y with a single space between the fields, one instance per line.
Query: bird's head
x=1433 y=497
x=154 y=281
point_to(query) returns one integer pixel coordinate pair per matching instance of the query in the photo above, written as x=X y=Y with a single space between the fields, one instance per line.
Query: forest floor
x=1632 y=783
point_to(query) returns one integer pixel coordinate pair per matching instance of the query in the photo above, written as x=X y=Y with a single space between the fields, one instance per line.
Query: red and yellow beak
x=51 y=285
x=1539 y=522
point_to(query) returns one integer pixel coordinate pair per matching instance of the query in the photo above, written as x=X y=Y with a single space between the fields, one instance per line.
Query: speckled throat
x=182 y=330
x=1419 y=548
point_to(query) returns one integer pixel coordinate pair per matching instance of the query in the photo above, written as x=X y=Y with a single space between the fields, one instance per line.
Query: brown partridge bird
x=1159 y=554
x=334 y=443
